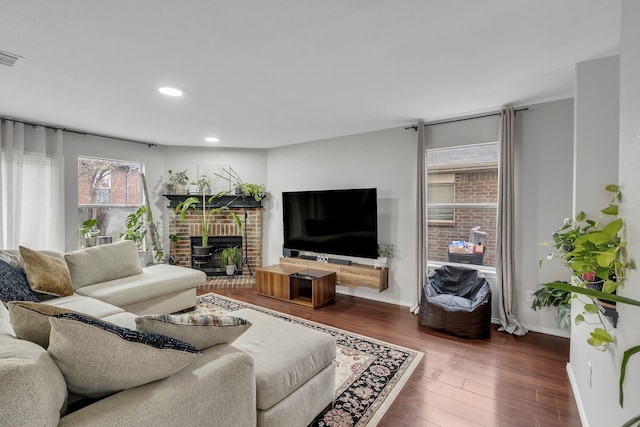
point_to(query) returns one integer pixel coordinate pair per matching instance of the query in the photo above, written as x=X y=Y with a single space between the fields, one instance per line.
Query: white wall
x=385 y=160
x=598 y=399
x=543 y=149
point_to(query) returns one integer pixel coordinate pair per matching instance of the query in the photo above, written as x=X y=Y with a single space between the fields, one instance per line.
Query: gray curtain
x=421 y=215
x=505 y=265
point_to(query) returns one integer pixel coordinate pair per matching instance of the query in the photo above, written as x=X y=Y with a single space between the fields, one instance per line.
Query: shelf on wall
x=233 y=201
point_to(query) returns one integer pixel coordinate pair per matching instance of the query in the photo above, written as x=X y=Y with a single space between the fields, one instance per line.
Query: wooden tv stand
x=299 y=285
x=352 y=275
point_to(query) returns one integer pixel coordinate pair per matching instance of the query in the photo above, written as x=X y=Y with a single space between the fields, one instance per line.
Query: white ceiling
x=264 y=74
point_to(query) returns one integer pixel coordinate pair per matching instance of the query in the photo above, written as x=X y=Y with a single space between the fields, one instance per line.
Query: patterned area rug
x=369 y=373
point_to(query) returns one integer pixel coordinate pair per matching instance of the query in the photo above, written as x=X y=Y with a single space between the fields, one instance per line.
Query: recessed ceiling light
x=170 y=91
x=212 y=139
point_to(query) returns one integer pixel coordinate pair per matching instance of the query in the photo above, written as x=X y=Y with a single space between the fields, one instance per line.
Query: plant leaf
x=610 y=210
x=612 y=188
x=580 y=217
x=591 y=308
x=601 y=335
x=579 y=319
x=592 y=293
x=632 y=421
x=623 y=368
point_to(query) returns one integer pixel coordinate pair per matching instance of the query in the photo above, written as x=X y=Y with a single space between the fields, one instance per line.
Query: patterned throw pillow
x=98 y=358
x=46 y=274
x=14 y=285
x=30 y=320
x=200 y=330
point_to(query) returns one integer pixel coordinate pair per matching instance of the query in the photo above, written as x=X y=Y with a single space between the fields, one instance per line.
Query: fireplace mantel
x=233 y=201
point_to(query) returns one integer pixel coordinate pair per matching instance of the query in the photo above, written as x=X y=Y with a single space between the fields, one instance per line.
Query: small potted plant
x=257 y=191
x=137 y=231
x=230 y=257
x=385 y=251
x=89 y=232
x=176 y=182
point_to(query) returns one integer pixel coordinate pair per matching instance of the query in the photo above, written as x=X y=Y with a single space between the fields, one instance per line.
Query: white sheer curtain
x=31 y=187
x=505 y=264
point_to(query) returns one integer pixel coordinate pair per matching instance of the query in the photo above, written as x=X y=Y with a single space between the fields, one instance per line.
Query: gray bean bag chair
x=457 y=301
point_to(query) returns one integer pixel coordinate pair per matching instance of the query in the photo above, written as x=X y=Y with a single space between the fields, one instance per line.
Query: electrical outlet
x=590 y=373
x=530 y=295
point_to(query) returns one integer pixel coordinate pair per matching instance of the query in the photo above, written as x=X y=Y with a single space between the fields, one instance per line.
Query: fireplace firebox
x=210 y=262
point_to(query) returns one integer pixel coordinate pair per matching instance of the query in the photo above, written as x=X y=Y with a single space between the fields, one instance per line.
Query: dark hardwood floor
x=501 y=381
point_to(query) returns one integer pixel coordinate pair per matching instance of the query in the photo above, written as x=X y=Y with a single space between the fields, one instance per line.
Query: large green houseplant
x=594 y=254
x=206 y=216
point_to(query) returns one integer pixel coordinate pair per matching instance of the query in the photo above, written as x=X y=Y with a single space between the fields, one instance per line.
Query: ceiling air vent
x=8 y=59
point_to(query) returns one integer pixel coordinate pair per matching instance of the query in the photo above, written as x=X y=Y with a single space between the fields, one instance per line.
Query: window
x=108 y=190
x=462 y=194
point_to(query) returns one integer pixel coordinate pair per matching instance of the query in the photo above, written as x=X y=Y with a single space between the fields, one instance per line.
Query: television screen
x=340 y=222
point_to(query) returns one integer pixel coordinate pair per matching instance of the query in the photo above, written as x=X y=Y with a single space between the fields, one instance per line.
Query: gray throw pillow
x=200 y=330
x=98 y=358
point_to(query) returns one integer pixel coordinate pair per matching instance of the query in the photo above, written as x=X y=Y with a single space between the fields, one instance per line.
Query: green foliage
x=89 y=232
x=386 y=250
x=136 y=227
x=549 y=297
x=206 y=216
x=623 y=370
x=230 y=255
x=257 y=191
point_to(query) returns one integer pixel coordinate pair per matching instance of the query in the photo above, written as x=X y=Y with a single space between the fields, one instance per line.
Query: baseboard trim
x=548 y=331
x=576 y=395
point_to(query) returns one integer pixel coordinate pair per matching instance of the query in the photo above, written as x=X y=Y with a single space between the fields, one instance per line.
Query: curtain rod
x=462 y=119
x=80 y=132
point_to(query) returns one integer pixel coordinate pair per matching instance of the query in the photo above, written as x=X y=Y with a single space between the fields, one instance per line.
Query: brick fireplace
x=224 y=225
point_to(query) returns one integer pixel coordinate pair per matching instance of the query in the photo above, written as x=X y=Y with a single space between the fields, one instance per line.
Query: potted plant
x=385 y=251
x=137 y=231
x=257 y=191
x=594 y=256
x=206 y=217
x=230 y=257
x=176 y=182
x=89 y=232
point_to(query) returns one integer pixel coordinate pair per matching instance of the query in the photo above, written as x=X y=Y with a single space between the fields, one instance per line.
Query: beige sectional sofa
x=275 y=374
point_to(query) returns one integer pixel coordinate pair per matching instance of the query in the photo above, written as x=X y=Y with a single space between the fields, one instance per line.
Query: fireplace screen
x=208 y=259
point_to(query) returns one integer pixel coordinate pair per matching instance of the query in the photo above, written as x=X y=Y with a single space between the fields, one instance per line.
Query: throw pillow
x=11 y=259
x=46 y=274
x=33 y=391
x=98 y=358
x=200 y=330
x=14 y=285
x=30 y=320
x=102 y=263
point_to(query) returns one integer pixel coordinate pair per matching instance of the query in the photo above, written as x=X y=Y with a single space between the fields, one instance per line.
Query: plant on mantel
x=594 y=255
x=206 y=216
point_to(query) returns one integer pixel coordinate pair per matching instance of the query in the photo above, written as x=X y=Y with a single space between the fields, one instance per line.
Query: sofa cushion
x=85 y=305
x=99 y=358
x=102 y=263
x=30 y=320
x=46 y=274
x=200 y=330
x=156 y=280
x=32 y=389
x=14 y=285
x=285 y=355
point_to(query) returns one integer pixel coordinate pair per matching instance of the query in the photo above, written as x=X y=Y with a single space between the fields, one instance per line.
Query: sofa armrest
x=216 y=389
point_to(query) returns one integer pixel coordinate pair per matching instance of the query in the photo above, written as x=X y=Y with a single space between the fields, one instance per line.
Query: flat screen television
x=339 y=222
